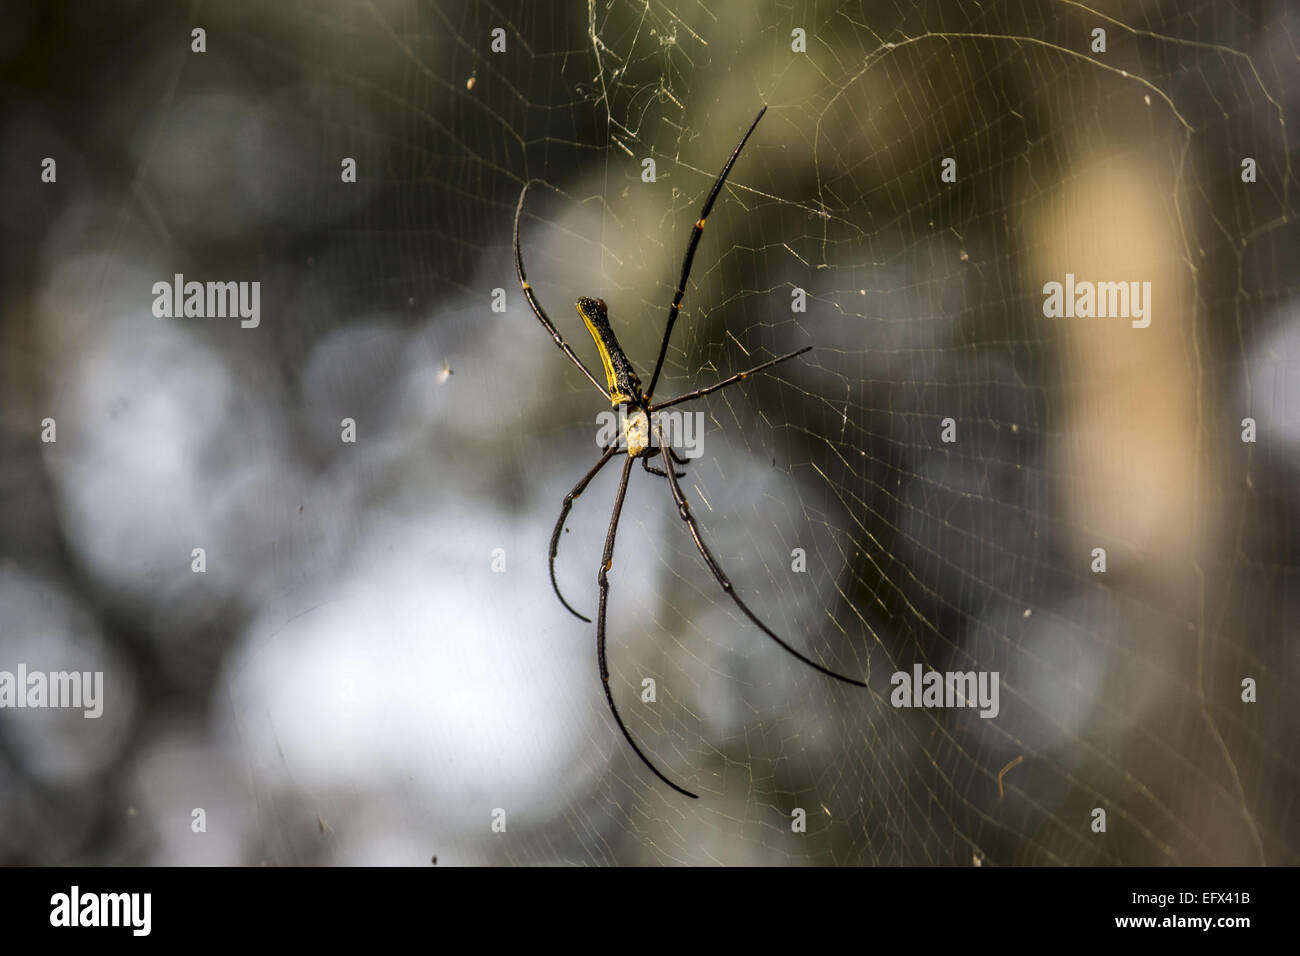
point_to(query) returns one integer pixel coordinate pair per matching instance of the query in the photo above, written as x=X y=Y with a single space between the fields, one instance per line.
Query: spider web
x=393 y=674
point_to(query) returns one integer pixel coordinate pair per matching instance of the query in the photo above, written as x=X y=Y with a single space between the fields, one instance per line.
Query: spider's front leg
x=602 y=579
x=658 y=473
x=715 y=569
x=569 y=499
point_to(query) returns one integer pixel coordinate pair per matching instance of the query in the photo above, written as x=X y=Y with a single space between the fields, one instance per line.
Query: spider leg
x=684 y=509
x=578 y=489
x=739 y=376
x=675 y=308
x=678 y=458
x=537 y=306
x=650 y=469
x=606 y=562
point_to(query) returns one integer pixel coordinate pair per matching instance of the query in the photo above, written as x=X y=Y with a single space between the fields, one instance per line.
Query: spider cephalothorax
x=623 y=390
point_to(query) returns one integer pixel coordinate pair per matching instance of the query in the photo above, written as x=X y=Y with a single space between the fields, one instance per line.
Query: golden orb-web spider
x=623 y=389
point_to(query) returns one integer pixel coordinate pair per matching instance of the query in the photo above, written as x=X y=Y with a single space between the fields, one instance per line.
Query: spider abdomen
x=624 y=385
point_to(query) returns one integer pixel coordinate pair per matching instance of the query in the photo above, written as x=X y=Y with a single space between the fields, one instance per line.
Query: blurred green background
x=350 y=680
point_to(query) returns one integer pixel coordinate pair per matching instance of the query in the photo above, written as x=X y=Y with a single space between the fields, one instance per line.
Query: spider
x=623 y=390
